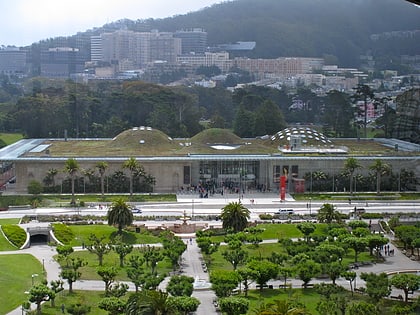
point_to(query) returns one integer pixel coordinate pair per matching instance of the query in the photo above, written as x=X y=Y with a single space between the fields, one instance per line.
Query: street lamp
x=33 y=276
x=310 y=206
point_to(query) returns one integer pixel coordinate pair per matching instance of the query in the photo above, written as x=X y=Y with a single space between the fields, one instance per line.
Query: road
x=257 y=203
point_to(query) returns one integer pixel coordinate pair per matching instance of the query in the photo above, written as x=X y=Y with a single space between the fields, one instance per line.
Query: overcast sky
x=23 y=22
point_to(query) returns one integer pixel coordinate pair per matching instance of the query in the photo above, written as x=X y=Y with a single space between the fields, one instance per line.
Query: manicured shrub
x=15 y=234
x=63 y=233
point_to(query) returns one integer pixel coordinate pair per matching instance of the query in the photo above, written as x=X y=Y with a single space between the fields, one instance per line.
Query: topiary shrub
x=63 y=233
x=15 y=234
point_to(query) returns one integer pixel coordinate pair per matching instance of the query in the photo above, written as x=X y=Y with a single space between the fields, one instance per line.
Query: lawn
x=10 y=138
x=82 y=233
x=15 y=280
x=89 y=298
x=307 y=297
x=110 y=259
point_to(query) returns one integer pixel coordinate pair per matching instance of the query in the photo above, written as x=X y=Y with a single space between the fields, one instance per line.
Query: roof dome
x=309 y=136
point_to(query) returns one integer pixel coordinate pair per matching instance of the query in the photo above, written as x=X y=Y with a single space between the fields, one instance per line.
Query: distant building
x=278 y=67
x=133 y=50
x=61 y=62
x=13 y=61
x=208 y=59
x=192 y=40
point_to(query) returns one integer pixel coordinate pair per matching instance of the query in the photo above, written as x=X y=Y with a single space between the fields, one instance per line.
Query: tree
x=350 y=276
x=180 y=285
x=235 y=254
x=64 y=252
x=78 y=309
x=206 y=245
x=246 y=274
x=234 y=305
x=306 y=270
x=185 y=304
x=132 y=166
x=72 y=273
x=351 y=165
x=152 y=256
x=98 y=247
x=38 y=294
x=281 y=307
x=71 y=167
x=328 y=214
x=334 y=270
x=364 y=92
x=406 y=282
x=380 y=168
x=173 y=247
x=223 y=282
x=121 y=249
x=377 y=285
x=150 y=302
x=263 y=271
x=108 y=274
x=235 y=216
x=102 y=167
x=113 y=305
x=357 y=244
x=407 y=234
x=135 y=270
x=362 y=308
x=34 y=187
x=375 y=242
x=56 y=286
x=307 y=228
x=120 y=214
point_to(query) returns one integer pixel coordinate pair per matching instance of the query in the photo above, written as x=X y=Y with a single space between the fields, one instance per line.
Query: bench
x=285 y=286
x=309 y=285
x=20 y=207
x=395 y=297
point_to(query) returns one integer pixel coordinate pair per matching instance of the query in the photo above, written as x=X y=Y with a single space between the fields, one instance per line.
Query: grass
x=15 y=280
x=110 y=259
x=10 y=138
x=82 y=233
x=89 y=298
x=4 y=243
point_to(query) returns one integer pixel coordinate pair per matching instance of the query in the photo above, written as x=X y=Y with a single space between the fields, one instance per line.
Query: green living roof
x=146 y=141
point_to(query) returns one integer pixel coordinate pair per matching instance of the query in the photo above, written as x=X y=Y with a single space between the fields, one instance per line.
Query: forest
x=42 y=108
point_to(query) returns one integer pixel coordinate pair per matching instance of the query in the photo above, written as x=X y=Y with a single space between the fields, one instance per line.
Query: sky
x=23 y=22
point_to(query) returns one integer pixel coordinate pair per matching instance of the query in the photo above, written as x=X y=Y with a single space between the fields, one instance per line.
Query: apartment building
x=13 y=61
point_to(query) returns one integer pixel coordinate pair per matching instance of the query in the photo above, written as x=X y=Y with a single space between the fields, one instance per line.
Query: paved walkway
x=192 y=260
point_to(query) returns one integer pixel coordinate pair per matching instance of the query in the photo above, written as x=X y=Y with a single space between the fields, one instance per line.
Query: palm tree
x=132 y=165
x=380 y=168
x=351 y=165
x=52 y=172
x=150 y=302
x=328 y=213
x=102 y=166
x=279 y=307
x=71 y=167
x=120 y=214
x=235 y=216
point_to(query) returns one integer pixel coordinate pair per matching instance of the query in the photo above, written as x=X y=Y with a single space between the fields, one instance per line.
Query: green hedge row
x=15 y=234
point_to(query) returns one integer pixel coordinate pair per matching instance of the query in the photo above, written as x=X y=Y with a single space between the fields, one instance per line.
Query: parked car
x=136 y=210
x=285 y=211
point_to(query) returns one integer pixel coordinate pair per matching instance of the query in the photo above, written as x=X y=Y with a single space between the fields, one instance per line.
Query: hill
x=313 y=28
